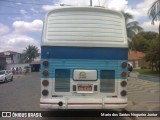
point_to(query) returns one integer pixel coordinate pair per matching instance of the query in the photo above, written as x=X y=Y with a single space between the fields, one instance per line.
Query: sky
x=21 y=21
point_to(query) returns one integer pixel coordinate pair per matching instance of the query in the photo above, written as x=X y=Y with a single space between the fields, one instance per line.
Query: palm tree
x=132 y=28
x=30 y=53
x=154 y=12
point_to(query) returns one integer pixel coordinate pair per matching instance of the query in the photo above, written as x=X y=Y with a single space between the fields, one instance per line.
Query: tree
x=152 y=55
x=154 y=12
x=30 y=53
x=132 y=27
x=142 y=40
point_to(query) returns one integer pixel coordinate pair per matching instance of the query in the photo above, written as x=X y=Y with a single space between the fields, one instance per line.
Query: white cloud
x=19 y=3
x=66 y=2
x=141 y=9
x=71 y=2
x=34 y=11
x=23 y=12
x=3 y=29
x=111 y=4
x=150 y=27
x=22 y=26
x=17 y=42
x=116 y=4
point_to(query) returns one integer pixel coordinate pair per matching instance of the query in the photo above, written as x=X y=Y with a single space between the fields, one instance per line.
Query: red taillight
x=45 y=63
x=45 y=73
x=124 y=65
x=123 y=83
x=45 y=92
x=123 y=74
x=45 y=82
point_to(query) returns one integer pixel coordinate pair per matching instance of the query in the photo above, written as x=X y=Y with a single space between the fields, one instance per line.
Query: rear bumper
x=81 y=103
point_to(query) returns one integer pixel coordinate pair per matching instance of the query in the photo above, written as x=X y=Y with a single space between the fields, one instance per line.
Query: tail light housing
x=45 y=92
x=124 y=65
x=45 y=63
x=124 y=74
x=123 y=93
x=45 y=73
x=45 y=83
x=124 y=83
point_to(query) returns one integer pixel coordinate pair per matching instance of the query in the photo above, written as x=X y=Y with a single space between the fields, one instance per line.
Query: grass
x=147 y=72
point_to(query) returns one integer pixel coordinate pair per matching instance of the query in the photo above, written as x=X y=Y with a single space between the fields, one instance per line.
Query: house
x=137 y=60
x=11 y=57
x=2 y=63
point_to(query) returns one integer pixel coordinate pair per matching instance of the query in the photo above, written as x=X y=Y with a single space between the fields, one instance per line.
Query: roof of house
x=135 y=55
x=11 y=52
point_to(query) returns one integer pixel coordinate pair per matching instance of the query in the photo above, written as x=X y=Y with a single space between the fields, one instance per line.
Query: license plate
x=84 y=88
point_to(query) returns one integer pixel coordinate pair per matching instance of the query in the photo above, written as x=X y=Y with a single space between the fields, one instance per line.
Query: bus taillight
x=45 y=63
x=45 y=92
x=123 y=83
x=123 y=74
x=124 y=65
x=123 y=92
x=45 y=82
x=45 y=73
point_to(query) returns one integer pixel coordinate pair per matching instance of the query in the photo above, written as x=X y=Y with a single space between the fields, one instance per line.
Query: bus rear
x=84 y=54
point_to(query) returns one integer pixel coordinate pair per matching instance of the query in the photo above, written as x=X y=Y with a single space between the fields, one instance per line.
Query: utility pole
x=90 y=2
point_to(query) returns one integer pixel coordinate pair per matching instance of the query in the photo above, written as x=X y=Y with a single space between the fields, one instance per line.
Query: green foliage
x=142 y=40
x=154 y=12
x=153 y=54
x=132 y=27
x=147 y=72
x=30 y=53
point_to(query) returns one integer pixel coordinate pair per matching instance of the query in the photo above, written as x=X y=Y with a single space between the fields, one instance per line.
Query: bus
x=84 y=57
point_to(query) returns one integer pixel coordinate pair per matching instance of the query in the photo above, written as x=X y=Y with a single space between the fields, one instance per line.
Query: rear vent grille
x=107 y=81
x=62 y=80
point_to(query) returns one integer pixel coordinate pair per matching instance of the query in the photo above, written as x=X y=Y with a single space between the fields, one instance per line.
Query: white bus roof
x=84 y=27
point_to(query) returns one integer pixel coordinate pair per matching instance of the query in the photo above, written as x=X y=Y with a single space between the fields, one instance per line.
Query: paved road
x=144 y=95
x=24 y=92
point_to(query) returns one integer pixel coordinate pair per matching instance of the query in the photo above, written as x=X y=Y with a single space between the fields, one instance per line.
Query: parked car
x=6 y=75
x=26 y=69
